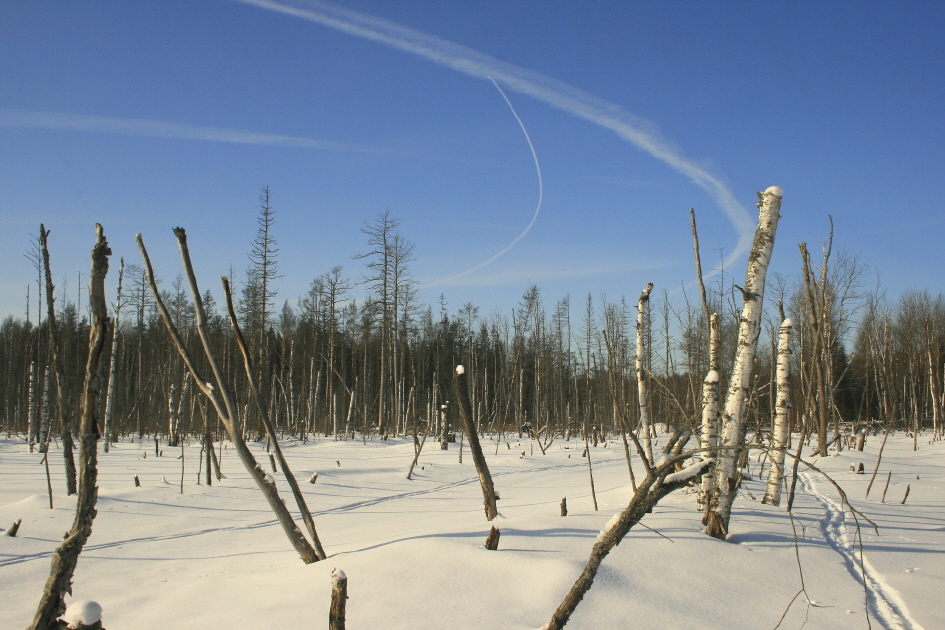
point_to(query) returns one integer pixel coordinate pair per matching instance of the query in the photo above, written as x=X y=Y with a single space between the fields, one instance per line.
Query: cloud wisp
x=541 y=191
x=161 y=129
x=552 y=92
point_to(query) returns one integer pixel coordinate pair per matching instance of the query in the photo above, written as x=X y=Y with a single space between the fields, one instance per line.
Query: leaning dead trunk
x=658 y=483
x=749 y=328
x=220 y=395
x=64 y=560
x=782 y=422
x=465 y=411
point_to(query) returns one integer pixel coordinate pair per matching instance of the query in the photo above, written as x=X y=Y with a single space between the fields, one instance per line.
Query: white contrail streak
x=528 y=227
x=159 y=129
x=550 y=91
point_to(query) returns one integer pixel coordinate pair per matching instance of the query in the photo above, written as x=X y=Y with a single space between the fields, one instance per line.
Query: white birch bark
x=710 y=412
x=33 y=421
x=749 y=328
x=113 y=362
x=44 y=414
x=644 y=400
x=782 y=424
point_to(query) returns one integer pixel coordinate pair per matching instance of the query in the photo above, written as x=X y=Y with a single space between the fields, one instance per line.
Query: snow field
x=412 y=550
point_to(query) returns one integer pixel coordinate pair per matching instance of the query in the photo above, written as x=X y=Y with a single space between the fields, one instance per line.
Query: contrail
x=160 y=129
x=557 y=94
x=528 y=227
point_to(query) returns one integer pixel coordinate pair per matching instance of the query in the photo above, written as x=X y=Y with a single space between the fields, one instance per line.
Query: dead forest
x=358 y=355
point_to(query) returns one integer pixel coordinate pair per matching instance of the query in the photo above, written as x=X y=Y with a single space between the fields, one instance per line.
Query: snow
x=688 y=472
x=788 y=322
x=215 y=556
x=460 y=369
x=774 y=190
x=712 y=377
x=81 y=612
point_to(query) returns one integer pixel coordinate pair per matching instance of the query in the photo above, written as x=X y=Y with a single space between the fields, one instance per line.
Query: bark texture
x=465 y=410
x=66 y=557
x=782 y=420
x=749 y=328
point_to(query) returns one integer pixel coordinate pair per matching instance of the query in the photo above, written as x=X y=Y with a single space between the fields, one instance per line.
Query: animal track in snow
x=884 y=601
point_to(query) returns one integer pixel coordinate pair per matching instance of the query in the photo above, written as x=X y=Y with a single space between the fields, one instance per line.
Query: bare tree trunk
x=465 y=409
x=264 y=416
x=110 y=397
x=710 y=414
x=644 y=401
x=733 y=435
x=220 y=395
x=67 y=444
x=658 y=483
x=782 y=420
x=65 y=558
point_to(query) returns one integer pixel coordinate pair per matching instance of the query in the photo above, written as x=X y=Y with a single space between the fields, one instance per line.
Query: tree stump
x=16 y=525
x=564 y=506
x=339 y=595
x=492 y=541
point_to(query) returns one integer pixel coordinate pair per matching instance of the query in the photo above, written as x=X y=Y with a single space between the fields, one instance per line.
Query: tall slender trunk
x=66 y=557
x=782 y=421
x=733 y=434
x=644 y=401
x=110 y=397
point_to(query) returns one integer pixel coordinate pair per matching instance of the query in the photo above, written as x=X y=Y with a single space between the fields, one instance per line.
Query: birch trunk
x=32 y=418
x=710 y=412
x=782 y=420
x=110 y=396
x=645 y=421
x=749 y=328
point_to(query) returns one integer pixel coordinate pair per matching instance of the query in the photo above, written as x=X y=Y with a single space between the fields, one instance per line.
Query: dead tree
x=465 y=410
x=220 y=395
x=66 y=557
x=659 y=482
x=267 y=423
x=749 y=328
x=782 y=422
x=56 y=359
x=646 y=428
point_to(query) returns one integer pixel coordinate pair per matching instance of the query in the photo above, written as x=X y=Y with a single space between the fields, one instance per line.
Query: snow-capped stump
x=16 y=526
x=339 y=595
x=83 y=615
x=492 y=540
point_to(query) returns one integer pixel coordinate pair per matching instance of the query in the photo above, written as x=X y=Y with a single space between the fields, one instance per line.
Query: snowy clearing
x=413 y=553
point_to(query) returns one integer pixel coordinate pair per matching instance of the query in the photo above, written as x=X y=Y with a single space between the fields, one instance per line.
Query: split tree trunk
x=749 y=328
x=220 y=395
x=66 y=557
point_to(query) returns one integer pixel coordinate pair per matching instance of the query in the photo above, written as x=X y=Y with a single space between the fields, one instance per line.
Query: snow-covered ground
x=214 y=557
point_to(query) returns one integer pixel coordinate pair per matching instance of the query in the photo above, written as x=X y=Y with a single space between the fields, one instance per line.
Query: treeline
x=383 y=364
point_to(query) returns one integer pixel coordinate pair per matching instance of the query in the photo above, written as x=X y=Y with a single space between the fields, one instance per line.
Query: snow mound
x=82 y=613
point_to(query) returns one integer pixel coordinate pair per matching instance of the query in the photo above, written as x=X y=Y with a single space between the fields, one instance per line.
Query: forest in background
x=381 y=363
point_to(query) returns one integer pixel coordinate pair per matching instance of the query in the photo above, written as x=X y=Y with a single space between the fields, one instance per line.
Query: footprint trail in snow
x=884 y=601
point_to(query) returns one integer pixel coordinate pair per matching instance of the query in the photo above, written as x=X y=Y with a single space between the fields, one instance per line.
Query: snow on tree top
x=82 y=613
x=774 y=190
x=460 y=369
x=788 y=322
x=712 y=377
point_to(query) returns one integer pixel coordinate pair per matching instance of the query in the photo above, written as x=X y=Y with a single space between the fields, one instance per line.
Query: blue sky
x=148 y=115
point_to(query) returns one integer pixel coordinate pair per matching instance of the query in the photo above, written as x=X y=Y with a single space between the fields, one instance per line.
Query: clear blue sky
x=147 y=115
